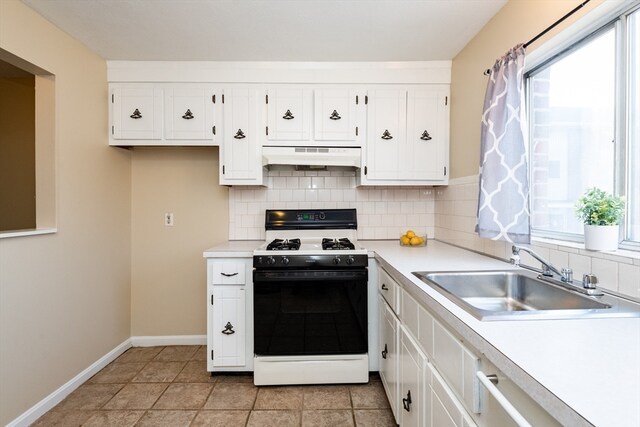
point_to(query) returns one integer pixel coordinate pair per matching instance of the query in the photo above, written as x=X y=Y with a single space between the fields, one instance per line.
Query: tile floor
x=170 y=386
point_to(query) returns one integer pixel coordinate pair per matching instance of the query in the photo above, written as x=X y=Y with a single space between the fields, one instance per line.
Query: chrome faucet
x=566 y=275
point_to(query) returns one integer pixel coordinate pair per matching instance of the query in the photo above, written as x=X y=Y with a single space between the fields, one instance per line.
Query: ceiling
x=271 y=30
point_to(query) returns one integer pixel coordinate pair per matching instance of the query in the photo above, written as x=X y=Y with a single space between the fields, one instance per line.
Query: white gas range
x=311 y=302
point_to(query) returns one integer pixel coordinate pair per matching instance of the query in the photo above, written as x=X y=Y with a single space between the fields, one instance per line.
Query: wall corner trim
x=46 y=404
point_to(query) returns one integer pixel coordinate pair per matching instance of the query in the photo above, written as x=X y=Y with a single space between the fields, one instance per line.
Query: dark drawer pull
x=385 y=352
x=406 y=402
x=228 y=329
x=335 y=115
x=386 y=134
x=384 y=287
x=188 y=115
x=229 y=274
x=239 y=134
x=136 y=114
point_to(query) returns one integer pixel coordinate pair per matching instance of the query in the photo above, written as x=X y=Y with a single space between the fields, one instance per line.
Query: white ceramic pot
x=601 y=237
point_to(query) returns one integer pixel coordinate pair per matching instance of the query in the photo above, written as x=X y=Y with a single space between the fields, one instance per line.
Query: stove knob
x=285 y=260
x=322 y=215
x=271 y=260
x=350 y=260
x=336 y=260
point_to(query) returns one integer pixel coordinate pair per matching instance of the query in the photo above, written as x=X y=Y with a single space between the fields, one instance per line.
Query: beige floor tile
x=114 y=419
x=167 y=419
x=200 y=354
x=177 y=353
x=327 y=418
x=195 y=371
x=118 y=373
x=89 y=396
x=139 y=354
x=327 y=397
x=374 y=418
x=369 y=396
x=136 y=396
x=279 y=397
x=159 y=372
x=232 y=396
x=63 y=418
x=274 y=419
x=184 y=396
x=221 y=419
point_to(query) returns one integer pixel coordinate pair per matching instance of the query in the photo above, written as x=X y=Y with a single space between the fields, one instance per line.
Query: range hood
x=314 y=157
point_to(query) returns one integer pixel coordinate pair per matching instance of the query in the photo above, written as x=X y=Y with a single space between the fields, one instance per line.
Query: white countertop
x=590 y=365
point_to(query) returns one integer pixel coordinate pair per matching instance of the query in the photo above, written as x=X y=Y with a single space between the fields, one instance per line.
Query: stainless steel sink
x=510 y=295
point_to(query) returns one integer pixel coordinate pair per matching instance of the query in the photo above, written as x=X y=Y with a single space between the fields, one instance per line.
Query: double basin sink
x=520 y=295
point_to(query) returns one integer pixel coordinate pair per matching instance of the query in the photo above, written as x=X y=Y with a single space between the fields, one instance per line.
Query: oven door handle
x=308 y=275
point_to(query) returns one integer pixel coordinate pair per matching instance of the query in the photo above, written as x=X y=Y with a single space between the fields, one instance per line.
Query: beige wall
x=517 y=22
x=17 y=153
x=65 y=297
x=168 y=287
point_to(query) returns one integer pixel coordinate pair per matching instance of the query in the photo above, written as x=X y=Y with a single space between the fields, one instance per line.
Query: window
x=583 y=109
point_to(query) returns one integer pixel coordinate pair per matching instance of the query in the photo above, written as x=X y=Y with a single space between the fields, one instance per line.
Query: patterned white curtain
x=503 y=203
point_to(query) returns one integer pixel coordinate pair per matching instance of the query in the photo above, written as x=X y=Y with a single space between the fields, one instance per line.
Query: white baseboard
x=151 y=341
x=46 y=404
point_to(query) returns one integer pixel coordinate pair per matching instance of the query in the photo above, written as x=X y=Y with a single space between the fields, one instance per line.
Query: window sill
x=579 y=248
x=24 y=233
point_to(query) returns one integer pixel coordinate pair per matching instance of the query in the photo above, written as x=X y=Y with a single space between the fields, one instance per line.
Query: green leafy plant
x=597 y=207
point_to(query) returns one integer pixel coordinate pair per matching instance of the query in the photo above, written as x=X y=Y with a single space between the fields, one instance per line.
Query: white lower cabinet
x=413 y=405
x=229 y=315
x=430 y=373
x=388 y=339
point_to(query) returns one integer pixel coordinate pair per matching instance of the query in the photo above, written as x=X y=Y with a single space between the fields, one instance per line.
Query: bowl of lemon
x=410 y=238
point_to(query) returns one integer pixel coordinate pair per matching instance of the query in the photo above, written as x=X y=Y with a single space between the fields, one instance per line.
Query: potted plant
x=601 y=213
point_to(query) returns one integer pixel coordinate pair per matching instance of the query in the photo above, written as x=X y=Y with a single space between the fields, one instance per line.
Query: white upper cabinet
x=288 y=114
x=407 y=136
x=386 y=134
x=190 y=113
x=164 y=114
x=136 y=114
x=240 y=151
x=335 y=115
x=427 y=133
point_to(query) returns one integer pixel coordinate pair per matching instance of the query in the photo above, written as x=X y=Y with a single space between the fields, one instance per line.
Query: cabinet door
x=412 y=396
x=427 y=134
x=229 y=328
x=335 y=115
x=389 y=357
x=386 y=133
x=289 y=114
x=241 y=154
x=189 y=113
x=136 y=113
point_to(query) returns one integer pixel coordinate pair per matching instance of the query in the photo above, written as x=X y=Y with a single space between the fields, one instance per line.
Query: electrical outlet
x=168 y=219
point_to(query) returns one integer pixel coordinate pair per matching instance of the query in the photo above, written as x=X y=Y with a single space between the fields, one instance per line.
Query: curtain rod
x=549 y=28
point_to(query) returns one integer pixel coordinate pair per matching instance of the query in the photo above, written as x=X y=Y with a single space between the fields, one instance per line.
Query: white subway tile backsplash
x=304 y=182
x=629 y=280
x=607 y=272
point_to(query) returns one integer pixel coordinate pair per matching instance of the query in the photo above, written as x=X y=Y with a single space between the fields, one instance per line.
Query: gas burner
x=337 y=244
x=284 y=245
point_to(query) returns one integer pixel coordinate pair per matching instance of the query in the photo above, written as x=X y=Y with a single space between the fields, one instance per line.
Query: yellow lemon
x=415 y=240
x=405 y=240
x=410 y=234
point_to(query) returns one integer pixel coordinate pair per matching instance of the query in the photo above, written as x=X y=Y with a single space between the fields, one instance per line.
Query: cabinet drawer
x=229 y=326
x=389 y=290
x=458 y=366
x=228 y=273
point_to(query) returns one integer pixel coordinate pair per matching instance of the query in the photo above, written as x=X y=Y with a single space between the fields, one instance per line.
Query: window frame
x=618 y=21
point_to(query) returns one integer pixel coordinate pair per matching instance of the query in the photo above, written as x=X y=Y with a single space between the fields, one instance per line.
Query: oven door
x=310 y=312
